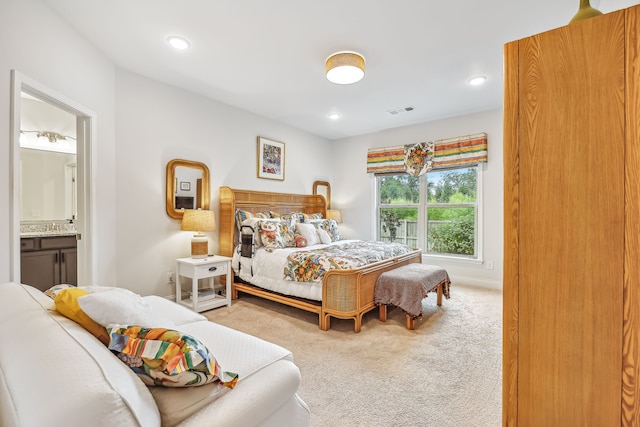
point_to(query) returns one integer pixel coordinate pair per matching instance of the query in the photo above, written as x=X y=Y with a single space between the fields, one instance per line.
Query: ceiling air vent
x=400 y=110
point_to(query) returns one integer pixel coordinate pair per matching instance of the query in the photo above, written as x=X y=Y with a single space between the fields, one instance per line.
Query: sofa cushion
x=176 y=313
x=241 y=353
x=66 y=301
x=56 y=373
x=119 y=306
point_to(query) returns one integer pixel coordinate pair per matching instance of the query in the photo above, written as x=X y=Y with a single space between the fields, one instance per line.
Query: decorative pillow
x=241 y=216
x=164 y=357
x=53 y=291
x=287 y=229
x=309 y=217
x=308 y=231
x=291 y=216
x=119 y=306
x=270 y=234
x=301 y=242
x=330 y=226
x=324 y=236
x=66 y=301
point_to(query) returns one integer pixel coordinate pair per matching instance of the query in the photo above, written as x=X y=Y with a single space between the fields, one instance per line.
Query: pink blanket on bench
x=407 y=286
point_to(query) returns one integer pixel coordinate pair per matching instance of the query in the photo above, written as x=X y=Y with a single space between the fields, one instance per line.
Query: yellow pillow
x=66 y=302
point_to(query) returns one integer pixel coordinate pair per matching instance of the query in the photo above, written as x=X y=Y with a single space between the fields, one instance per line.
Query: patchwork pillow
x=168 y=358
x=241 y=216
x=330 y=226
x=291 y=216
x=308 y=231
x=119 y=306
x=309 y=217
x=66 y=302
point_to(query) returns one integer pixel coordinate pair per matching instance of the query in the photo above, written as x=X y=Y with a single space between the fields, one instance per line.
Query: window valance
x=447 y=153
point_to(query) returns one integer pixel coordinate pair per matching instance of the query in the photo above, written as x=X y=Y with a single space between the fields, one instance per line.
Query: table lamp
x=199 y=220
x=334 y=214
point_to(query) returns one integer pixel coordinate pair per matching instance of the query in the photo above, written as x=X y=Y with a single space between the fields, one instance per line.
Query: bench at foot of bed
x=407 y=286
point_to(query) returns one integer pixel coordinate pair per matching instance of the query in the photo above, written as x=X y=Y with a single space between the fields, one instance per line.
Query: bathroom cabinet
x=48 y=261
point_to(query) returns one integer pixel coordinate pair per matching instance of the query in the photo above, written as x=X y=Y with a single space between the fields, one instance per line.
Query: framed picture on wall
x=270 y=159
x=185 y=186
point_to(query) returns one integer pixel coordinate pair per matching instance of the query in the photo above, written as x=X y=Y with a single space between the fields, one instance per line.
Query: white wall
x=38 y=44
x=351 y=186
x=142 y=124
x=156 y=123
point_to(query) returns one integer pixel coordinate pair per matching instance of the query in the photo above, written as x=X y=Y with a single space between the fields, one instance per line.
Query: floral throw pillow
x=168 y=358
x=330 y=226
x=270 y=234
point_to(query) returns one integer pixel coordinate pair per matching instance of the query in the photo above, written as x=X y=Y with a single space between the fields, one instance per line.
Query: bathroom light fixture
x=47 y=135
x=345 y=68
x=47 y=141
x=178 y=42
x=198 y=220
x=334 y=116
x=478 y=80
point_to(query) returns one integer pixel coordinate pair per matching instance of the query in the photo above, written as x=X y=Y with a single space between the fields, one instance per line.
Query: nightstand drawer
x=211 y=270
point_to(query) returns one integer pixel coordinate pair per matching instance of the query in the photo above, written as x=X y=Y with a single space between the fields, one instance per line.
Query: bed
x=345 y=294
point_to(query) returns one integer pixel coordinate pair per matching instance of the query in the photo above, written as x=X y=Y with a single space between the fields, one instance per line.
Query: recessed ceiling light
x=478 y=80
x=334 y=116
x=179 y=43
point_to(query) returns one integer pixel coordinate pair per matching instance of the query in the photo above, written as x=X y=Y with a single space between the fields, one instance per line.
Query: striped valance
x=449 y=152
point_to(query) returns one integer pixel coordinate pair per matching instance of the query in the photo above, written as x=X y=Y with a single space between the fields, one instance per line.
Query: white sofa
x=53 y=372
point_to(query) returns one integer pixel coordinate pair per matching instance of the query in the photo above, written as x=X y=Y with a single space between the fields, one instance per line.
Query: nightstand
x=203 y=268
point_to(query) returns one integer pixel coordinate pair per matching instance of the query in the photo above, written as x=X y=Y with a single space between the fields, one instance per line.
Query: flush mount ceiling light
x=334 y=116
x=344 y=68
x=179 y=43
x=478 y=80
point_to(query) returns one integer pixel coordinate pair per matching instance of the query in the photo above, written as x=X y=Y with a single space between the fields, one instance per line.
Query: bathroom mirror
x=187 y=187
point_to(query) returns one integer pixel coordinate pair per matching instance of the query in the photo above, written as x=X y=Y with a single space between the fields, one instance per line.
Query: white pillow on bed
x=325 y=239
x=308 y=231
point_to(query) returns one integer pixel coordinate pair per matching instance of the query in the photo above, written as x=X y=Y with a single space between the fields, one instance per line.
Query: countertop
x=60 y=233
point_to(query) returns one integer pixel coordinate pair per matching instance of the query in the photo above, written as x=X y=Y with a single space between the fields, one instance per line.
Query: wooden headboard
x=260 y=201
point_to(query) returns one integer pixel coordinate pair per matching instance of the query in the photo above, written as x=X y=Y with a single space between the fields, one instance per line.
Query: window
x=437 y=211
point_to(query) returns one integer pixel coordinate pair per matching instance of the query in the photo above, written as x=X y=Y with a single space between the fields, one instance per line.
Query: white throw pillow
x=325 y=239
x=119 y=306
x=308 y=231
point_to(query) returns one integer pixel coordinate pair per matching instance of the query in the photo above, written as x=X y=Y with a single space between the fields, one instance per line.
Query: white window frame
x=422 y=212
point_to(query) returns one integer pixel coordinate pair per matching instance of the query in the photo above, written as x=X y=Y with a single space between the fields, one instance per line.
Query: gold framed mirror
x=187 y=187
x=324 y=189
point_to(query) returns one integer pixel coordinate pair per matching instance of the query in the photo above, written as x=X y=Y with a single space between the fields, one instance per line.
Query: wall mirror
x=187 y=187
x=323 y=188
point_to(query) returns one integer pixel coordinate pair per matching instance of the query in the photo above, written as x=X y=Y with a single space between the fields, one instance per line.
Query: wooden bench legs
x=410 y=320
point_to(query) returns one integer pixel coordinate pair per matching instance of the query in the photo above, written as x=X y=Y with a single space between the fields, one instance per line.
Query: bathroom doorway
x=65 y=129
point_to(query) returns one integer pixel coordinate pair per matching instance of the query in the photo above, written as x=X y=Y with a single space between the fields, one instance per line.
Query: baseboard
x=474 y=281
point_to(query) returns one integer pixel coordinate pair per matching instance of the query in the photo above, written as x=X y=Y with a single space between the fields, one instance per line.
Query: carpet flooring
x=446 y=372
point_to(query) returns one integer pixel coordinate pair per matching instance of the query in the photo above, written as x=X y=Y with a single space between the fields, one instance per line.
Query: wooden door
x=564 y=225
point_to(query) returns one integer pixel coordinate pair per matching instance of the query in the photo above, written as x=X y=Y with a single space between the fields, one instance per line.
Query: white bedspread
x=268 y=272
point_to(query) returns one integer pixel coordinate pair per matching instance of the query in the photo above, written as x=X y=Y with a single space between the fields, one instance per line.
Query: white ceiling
x=267 y=56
